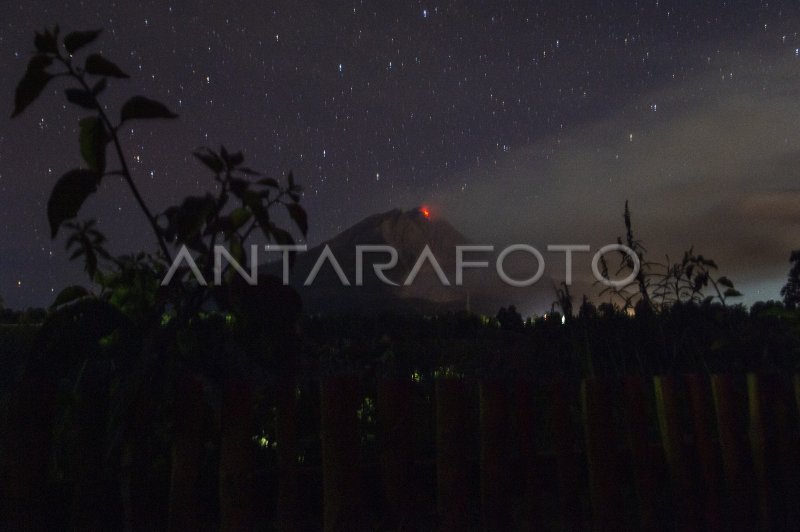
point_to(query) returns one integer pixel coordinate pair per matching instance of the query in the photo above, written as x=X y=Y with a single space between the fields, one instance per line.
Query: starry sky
x=516 y=121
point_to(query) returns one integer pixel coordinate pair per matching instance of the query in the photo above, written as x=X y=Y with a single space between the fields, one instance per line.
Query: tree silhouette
x=791 y=290
x=509 y=319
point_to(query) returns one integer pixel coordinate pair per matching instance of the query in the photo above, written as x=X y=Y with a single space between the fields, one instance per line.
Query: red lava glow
x=426 y=212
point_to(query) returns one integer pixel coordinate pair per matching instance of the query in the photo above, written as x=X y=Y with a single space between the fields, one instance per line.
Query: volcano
x=408 y=232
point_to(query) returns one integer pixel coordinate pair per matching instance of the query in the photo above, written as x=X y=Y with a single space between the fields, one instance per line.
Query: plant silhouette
x=659 y=285
x=126 y=341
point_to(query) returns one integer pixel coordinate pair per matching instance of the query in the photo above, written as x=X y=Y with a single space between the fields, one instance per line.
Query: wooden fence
x=673 y=452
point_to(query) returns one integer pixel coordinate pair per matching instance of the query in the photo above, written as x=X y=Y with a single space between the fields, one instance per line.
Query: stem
x=126 y=173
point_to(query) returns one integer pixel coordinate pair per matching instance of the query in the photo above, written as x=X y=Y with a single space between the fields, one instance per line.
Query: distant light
x=425 y=211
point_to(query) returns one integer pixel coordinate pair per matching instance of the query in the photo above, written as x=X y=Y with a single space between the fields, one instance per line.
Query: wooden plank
x=495 y=464
x=757 y=403
x=340 y=397
x=684 y=493
x=396 y=415
x=573 y=512
x=597 y=397
x=644 y=456
x=529 y=425
x=286 y=515
x=707 y=447
x=729 y=402
x=187 y=454
x=236 y=456
x=27 y=448
x=784 y=416
x=451 y=459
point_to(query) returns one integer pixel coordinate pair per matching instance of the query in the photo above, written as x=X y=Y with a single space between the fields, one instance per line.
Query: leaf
x=29 y=88
x=724 y=281
x=93 y=143
x=100 y=86
x=298 y=214
x=80 y=97
x=47 y=42
x=239 y=187
x=32 y=83
x=141 y=107
x=232 y=160
x=69 y=294
x=186 y=221
x=98 y=65
x=247 y=171
x=732 y=292
x=235 y=159
x=269 y=182
x=239 y=217
x=260 y=213
x=283 y=238
x=39 y=62
x=78 y=39
x=210 y=159
x=68 y=195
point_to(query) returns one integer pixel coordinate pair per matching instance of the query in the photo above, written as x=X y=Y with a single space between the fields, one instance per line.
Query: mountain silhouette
x=408 y=232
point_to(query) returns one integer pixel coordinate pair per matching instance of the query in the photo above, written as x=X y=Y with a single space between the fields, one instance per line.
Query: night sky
x=522 y=122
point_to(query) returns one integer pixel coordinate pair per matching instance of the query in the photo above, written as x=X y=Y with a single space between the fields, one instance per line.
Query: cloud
x=715 y=164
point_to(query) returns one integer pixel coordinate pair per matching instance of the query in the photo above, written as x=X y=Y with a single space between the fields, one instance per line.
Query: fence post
x=236 y=456
x=708 y=452
x=286 y=439
x=187 y=452
x=27 y=452
x=669 y=421
x=796 y=390
x=451 y=460
x=340 y=398
x=644 y=473
x=495 y=466
x=564 y=447
x=528 y=424
x=140 y=483
x=729 y=404
x=90 y=494
x=597 y=397
x=396 y=415
x=781 y=407
x=774 y=451
x=757 y=405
